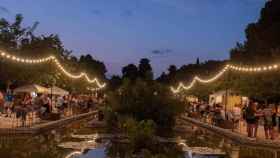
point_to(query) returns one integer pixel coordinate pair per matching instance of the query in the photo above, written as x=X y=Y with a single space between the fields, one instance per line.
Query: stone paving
x=242 y=129
x=238 y=137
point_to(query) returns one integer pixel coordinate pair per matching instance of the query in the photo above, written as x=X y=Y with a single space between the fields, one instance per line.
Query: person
x=90 y=104
x=274 y=120
x=258 y=114
x=46 y=104
x=278 y=116
x=8 y=102
x=236 y=112
x=65 y=105
x=250 y=119
x=268 y=122
x=223 y=112
x=27 y=100
x=1 y=102
x=22 y=108
x=218 y=115
x=59 y=103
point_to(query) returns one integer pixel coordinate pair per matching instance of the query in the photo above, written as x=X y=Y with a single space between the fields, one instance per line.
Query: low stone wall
x=47 y=126
x=236 y=137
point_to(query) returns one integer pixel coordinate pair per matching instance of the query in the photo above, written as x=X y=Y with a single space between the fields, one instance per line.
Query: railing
x=24 y=116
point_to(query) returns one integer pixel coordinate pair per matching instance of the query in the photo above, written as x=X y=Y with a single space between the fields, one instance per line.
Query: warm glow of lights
x=181 y=86
x=57 y=63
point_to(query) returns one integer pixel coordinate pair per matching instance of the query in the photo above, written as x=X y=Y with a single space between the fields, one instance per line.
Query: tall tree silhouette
x=262 y=43
x=130 y=72
x=145 y=69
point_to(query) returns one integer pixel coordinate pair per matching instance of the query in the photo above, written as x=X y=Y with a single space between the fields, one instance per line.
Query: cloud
x=96 y=12
x=123 y=13
x=188 y=7
x=127 y=13
x=161 y=51
x=4 y=10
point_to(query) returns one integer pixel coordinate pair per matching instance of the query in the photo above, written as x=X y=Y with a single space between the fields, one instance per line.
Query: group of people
x=267 y=115
x=43 y=105
x=252 y=115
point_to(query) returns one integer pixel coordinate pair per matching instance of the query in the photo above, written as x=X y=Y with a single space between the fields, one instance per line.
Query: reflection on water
x=74 y=153
x=48 y=145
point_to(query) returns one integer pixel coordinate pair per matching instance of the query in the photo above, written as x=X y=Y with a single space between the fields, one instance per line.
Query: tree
x=115 y=82
x=146 y=101
x=20 y=41
x=92 y=66
x=197 y=61
x=262 y=44
x=130 y=72
x=145 y=69
x=163 y=78
x=172 y=70
x=261 y=47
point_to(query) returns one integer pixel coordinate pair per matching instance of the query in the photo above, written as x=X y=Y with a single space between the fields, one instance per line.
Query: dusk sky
x=119 y=32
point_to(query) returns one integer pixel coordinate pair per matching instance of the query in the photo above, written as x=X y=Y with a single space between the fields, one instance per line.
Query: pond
x=55 y=144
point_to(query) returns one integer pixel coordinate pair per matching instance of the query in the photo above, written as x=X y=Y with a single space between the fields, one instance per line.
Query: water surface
x=46 y=145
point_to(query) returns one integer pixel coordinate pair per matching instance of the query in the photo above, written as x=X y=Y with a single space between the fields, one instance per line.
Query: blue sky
x=120 y=32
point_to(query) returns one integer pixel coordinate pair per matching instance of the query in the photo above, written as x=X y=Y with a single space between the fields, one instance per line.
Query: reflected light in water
x=73 y=153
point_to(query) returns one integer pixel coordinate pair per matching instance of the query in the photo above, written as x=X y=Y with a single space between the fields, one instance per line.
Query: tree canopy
x=21 y=41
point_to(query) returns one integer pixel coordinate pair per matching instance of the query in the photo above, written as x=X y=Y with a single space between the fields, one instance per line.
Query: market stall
x=227 y=98
x=57 y=91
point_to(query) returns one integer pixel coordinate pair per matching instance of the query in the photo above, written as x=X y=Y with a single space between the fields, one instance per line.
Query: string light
x=181 y=86
x=57 y=63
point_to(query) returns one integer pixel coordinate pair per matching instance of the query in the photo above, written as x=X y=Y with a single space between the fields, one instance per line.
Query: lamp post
x=52 y=82
x=227 y=91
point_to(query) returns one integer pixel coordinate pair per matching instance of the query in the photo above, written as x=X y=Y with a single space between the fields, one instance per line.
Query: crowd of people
x=44 y=106
x=251 y=115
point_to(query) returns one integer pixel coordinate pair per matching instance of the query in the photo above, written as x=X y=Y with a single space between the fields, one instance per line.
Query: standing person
x=250 y=119
x=274 y=120
x=2 y=101
x=223 y=112
x=218 y=116
x=90 y=104
x=8 y=102
x=258 y=114
x=65 y=105
x=46 y=104
x=37 y=105
x=278 y=117
x=268 y=122
x=236 y=111
x=207 y=113
x=59 y=103
x=27 y=100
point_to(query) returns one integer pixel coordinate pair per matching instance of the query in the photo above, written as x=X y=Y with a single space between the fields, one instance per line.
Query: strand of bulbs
x=57 y=63
x=258 y=69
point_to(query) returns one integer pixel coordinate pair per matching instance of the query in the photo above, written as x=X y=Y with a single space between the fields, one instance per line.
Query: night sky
x=120 y=32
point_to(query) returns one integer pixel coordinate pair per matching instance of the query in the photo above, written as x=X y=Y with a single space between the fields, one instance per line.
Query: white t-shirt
x=60 y=101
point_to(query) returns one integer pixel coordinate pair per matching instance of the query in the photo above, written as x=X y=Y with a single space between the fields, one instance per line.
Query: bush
x=146 y=101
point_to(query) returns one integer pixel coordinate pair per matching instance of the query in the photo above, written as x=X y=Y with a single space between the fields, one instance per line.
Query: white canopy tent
x=228 y=98
x=57 y=91
x=31 y=88
x=191 y=98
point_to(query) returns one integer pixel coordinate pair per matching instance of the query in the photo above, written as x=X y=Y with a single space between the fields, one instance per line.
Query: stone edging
x=238 y=138
x=46 y=126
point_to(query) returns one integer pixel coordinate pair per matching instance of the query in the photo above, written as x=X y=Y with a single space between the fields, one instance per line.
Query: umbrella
x=57 y=91
x=31 y=88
